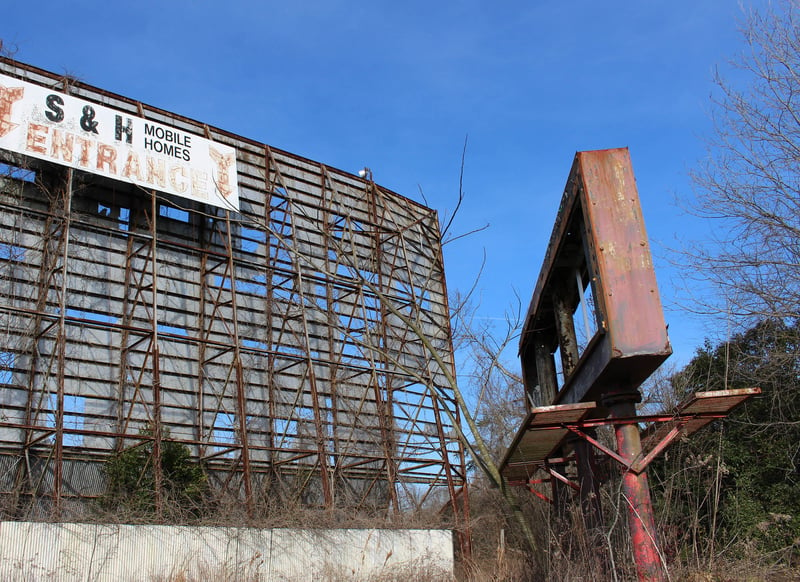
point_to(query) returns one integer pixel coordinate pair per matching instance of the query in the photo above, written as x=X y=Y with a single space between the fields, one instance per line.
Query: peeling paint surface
x=118 y=553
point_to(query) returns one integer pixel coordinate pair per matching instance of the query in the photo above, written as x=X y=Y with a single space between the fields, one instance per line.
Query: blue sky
x=396 y=86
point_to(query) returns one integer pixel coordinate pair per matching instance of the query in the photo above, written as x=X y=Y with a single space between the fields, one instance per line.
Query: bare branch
x=446 y=229
x=749 y=185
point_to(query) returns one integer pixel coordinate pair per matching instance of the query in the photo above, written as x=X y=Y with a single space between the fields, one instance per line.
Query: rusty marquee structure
x=593 y=334
x=287 y=344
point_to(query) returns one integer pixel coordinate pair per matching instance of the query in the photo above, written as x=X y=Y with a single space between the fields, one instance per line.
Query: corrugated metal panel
x=97 y=553
x=699 y=410
x=539 y=436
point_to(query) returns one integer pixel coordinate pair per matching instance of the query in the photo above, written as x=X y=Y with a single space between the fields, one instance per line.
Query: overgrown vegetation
x=729 y=497
x=735 y=486
x=131 y=488
x=419 y=572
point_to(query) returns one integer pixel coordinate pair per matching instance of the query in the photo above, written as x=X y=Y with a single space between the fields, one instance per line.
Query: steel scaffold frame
x=263 y=340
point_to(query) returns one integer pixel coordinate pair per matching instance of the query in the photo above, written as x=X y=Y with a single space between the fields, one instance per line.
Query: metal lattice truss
x=280 y=344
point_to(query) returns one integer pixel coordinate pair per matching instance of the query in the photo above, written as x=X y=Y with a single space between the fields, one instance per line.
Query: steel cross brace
x=540 y=495
x=637 y=467
x=554 y=475
x=639 y=464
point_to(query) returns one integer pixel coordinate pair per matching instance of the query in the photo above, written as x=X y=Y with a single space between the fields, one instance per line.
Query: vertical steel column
x=128 y=306
x=589 y=486
x=545 y=370
x=565 y=328
x=270 y=183
x=241 y=396
x=568 y=345
x=158 y=473
x=204 y=235
x=330 y=408
x=53 y=243
x=61 y=347
x=383 y=405
x=311 y=361
x=636 y=489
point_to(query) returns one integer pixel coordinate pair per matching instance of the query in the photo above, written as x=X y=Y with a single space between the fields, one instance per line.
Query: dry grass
x=418 y=571
x=499 y=553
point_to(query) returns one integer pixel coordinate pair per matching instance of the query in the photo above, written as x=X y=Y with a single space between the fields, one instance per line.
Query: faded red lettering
x=156 y=172
x=8 y=96
x=200 y=184
x=178 y=185
x=131 y=169
x=223 y=163
x=61 y=145
x=107 y=156
x=37 y=135
x=85 y=150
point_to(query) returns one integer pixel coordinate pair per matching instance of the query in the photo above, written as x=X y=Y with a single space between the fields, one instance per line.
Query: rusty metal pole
x=636 y=490
x=158 y=434
x=591 y=506
x=589 y=486
x=61 y=347
x=568 y=345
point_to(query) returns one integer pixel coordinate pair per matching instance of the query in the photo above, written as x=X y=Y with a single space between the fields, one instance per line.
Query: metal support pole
x=568 y=345
x=589 y=486
x=158 y=434
x=636 y=490
x=384 y=414
x=565 y=327
x=559 y=491
x=241 y=394
x=589 y=495
x=546 y=371
x=61 y=343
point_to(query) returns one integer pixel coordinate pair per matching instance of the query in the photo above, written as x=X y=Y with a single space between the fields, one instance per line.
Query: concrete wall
x=119 y=553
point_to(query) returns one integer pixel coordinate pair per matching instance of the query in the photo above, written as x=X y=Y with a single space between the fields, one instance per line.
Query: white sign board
x=49 y=125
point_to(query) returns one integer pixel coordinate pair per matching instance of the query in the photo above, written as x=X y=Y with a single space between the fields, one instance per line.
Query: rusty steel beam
x=531 y=482
x=599 y=232
x=558 y=476
x=61 y=347
x=589 y=492
x=158 y=434
x=241 y=399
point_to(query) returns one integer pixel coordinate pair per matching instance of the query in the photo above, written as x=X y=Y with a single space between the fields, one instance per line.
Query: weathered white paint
x=57 y=127
x=94 y=553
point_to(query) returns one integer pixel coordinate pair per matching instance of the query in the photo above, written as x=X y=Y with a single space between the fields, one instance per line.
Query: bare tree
x=749 y=185
x=494 y=384
x=749 y=189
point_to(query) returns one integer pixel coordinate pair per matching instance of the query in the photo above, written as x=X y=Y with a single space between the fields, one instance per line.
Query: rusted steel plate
x=540 y=435
x=619 y=245
x=717 y=401
x=558 y=414
x=598 y=237
x=700 y=409
x=544 y=429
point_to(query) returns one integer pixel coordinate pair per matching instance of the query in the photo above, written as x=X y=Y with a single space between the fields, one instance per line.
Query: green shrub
x=131 y=483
